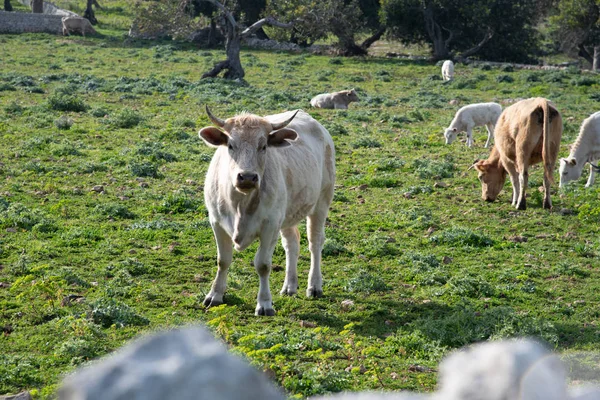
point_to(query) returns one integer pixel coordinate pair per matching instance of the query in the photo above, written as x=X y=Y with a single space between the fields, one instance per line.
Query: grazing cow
x=79 y=24
x=585 y=149
x=448 y=70
x=337 y=100
x=265 y=177
x=528 y=132
x=468 y=117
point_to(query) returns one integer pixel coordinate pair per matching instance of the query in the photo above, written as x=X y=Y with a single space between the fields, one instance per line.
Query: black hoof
x=267 y=312
x=209 y=302
x=314 y=293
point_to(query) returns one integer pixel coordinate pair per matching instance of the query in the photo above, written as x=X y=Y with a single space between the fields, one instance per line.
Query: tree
x=577 y=26
x=317 y=19
x=37 y=6
x=7 y=5
x=235 y=34
x=502 y=29
x=89 y=12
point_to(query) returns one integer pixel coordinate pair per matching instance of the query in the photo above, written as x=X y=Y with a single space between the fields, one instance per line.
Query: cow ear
x=282 y=137
x=213 y=137
x=481 y=166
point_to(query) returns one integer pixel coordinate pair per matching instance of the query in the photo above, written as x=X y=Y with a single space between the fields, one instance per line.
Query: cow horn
x=215 y=120
x=284 y=123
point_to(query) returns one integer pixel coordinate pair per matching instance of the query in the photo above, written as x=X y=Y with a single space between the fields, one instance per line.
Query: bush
x=427 y=168
x=65 y=102
x=178 y=204
x=462 y=236
x=364 y=282
x=366 y=142
x=143 y=169
x=113 y=211
x=125 y=119
x=107 y=312
x=504 y=78
x=63 y=123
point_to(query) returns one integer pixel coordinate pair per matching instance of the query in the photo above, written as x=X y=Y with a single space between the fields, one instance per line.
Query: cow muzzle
x=246 y=181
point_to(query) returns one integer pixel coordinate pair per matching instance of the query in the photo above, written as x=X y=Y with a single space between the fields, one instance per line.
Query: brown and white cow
x=527 y=133
x=267 y=175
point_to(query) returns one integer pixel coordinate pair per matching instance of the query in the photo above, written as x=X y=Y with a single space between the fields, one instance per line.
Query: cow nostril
x=254 y=178
x=241 y=177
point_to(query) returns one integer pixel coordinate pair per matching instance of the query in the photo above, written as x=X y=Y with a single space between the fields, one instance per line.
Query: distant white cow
x=468 y=117
x=448 y=70
x=79 y=24
x=585 y=149
x=265 y=177
x=337 y=100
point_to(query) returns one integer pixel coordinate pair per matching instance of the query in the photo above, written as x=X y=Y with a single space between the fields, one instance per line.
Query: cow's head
x=450 y=135
x=492 y=177
x=351 y=95
x=569 y=170
x=247 y=138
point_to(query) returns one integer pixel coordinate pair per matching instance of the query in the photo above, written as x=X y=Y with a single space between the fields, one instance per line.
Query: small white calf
x=79 y=24
x=585 y=149
x=448 y=70
x=264 y=179
x=468 y=117
x=337 y=100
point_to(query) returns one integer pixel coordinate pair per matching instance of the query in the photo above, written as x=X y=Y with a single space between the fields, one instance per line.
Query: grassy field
x=104 y=234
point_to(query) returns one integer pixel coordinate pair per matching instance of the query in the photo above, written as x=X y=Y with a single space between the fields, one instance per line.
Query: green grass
x=427 y=264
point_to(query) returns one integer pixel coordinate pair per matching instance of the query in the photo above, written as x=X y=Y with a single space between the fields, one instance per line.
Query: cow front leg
x=591 y=178
x=262 y=264
x=315 y=228
x=490 y=129
x=224 y=259
x=470 y=137
x=290 y=238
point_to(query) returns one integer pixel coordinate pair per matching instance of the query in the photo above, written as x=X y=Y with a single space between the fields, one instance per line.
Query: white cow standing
x=448 y=70
x=468 y=117
x=265 y=177
x=585 y=149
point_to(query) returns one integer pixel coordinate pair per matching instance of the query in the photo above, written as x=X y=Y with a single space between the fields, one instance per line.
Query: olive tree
x=577 y=27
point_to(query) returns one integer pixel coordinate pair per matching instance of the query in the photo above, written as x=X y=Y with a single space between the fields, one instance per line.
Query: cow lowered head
x=492 y=176
x=247 y=138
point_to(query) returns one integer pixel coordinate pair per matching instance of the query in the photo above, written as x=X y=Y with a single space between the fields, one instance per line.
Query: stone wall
x=17 y=22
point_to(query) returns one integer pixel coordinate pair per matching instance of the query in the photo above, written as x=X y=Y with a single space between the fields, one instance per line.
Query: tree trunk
x=37 y=6
x=89 y=13
x=585 y=54
x=7 y=5
x=96 y=4
x=232 y=49
x=596 y=63
x=440 y=45
x=375 y=37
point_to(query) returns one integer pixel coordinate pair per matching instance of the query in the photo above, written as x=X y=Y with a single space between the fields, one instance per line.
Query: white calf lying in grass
x=473 y=115
x=585 y=149
x=448 y=70
x=337 y=100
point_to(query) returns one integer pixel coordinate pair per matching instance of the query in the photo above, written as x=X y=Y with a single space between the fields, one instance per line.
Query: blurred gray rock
x=584 y=393
x=20 y=396
x=182 y=364
x=506 y=370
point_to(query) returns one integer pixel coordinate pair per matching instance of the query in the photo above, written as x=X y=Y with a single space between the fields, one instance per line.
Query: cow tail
x=546 y=142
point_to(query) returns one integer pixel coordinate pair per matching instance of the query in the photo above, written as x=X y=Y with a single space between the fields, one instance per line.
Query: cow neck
x=494 y=158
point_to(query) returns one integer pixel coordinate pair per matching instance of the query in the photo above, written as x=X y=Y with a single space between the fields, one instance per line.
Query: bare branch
x=375 y=37
x=225 y=11
x=258 y=24
x=476 y=48
x=447 y=41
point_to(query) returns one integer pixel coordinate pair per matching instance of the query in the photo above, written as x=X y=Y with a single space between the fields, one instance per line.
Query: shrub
x=364 y=282
x=63 y=123
x=107 y=312
x=178 y=204
x=113 y=211
x=427 y=168
x=155 y=151
x=504 y=78
x=461 y=236
x=366 y=142
x=65 y=102
x=143 y=169
x=333 y=247
x=125 y=119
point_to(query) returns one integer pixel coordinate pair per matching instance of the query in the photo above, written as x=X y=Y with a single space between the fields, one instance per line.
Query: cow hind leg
x=315 y=228
x=262 y=264
x=224 y=259
x=290 y=238
x=547 y=184
x=523 y=182
x=490 y=130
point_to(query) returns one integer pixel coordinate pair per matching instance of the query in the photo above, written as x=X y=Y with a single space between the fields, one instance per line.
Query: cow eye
x=263 y=148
